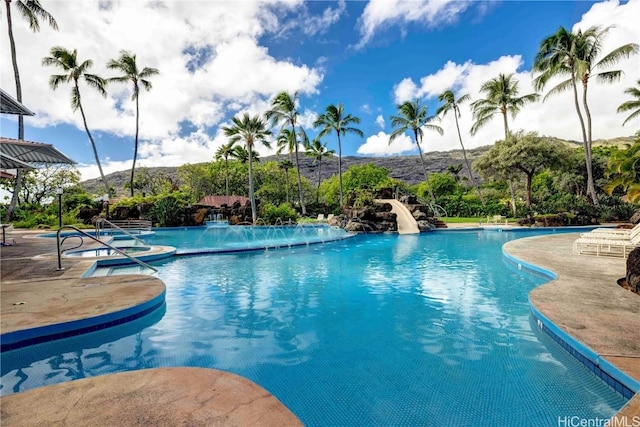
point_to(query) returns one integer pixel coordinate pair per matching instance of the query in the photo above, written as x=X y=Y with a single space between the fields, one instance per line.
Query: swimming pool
x=375 y=330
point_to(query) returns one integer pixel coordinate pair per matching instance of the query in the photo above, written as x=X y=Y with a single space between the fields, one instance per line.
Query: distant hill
x=405 y=168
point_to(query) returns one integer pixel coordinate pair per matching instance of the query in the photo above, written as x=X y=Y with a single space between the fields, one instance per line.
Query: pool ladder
x=96 y=239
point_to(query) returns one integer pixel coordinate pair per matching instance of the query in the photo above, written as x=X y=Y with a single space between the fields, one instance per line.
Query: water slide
x=406 y=223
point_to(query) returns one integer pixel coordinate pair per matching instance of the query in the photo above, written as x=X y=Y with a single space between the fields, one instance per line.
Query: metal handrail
x=59 y=244
x=102 y=220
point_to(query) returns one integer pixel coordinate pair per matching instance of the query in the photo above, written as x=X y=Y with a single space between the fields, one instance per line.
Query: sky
x=218 y=59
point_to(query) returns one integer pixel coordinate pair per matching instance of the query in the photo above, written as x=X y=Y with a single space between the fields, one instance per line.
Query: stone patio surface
x=584 y=301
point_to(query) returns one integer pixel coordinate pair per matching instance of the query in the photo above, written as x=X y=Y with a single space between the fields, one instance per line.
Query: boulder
x=635 y=218
x=425 y=226
x=633 y=270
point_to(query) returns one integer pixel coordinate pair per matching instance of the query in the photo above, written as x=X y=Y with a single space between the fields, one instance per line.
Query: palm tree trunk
x=466 y=161
x=93 y=144
x=303 y=209
x=587 y=146
x=340 y=167
x=591 y=189
x=424 y=169
x=135 y=150
x=226 y=173
x=319 y=177
x=254 y=214
x=286 y=181
x=512 y=192
x=18 y=183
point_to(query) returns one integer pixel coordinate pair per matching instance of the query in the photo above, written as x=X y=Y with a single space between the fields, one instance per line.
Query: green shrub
x=167 y=211
x=272 y=214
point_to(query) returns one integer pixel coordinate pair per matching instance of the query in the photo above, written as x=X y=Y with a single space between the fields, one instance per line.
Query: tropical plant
x=241 y=154
x=451 y=104
x=317 y=150
x=284 y=111
x=285 y=165
x=501 y=97
x=413 y=116
x=223 y=153
x=32 y=11
x=126 y=63
x=632 y=105
x=249 y=130
x=525 y=154
x=573 y=55
x=334 y=119
x=68 y=62
x=624 y=171
x=273 y=214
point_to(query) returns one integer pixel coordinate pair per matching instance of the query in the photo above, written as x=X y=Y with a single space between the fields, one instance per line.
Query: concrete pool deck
x=584 y=301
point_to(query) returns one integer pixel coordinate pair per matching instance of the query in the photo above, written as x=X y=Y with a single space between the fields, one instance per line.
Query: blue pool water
x=374 y=330
x=219 y=239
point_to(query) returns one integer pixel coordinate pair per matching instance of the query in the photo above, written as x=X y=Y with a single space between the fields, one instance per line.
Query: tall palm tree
x=126 y=63
x=223 y=153
x=573 y=55
x=68 y=61
x=318 y=150
x=249 y=130
x=284 y=111
x=413 y=116
x=501 y=97
x=453 y=105
x=32 y=11
x=334 y=119
x=633 y=104
x=285 y=165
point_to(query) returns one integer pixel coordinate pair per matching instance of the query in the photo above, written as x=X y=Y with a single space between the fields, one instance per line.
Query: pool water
x=92 y=253
x=429 y=329
x=226 y=239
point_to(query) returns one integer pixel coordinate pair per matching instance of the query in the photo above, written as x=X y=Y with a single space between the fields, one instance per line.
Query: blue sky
x=218 y=59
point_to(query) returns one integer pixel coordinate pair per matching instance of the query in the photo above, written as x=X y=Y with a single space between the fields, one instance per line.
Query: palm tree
x=502 y=97
x=283 y=111
x=249 y=130
x=285 y=165
x=413 y=116
x=128 y=66
x=223 y=153
x=634 y=104
x=68 y=61
x=318 y=150
x=453 y=105
x=32 y=11
x=335 y=120
x=565 y=54
x=241 y=154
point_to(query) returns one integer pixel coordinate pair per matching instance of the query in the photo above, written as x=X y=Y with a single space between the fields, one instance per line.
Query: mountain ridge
x=404 y=168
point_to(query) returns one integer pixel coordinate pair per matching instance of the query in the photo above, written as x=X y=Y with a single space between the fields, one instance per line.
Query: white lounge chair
x=600 y=244
x=612 y=232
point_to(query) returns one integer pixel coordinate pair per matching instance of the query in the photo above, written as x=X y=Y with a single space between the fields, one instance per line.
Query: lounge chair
x=602 y=244
x=320 y=217
x=612 y=232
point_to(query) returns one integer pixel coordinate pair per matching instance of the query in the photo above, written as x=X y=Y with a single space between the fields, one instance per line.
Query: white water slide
x=406 y=223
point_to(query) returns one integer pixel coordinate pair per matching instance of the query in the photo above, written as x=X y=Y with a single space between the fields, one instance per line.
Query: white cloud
x=210 y=62
x=406 y=90
x=384 y=13
x=554 y=117
x=380 y=121
x=378 y=145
